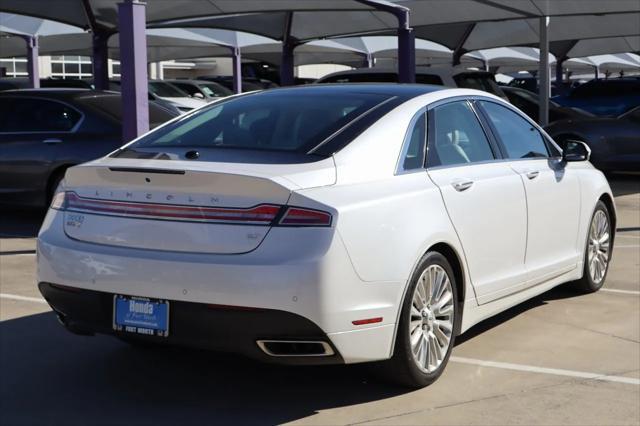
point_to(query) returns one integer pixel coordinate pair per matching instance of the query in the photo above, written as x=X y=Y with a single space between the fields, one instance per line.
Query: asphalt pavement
x=561 y=358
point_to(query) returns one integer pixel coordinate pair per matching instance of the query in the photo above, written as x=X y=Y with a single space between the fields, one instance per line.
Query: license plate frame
x=141 y=315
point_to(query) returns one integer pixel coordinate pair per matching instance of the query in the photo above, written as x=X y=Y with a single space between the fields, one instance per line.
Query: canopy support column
x=406 y=51
x=370 y=61
x=560 y=75
x=237 y=69
x=406 y=39
x=133 y=65
x=286 y=62
x=543 y=72
x=100 y=59
x=32 y=61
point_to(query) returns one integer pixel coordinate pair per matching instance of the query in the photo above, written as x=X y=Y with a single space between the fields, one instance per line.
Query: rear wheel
x=427 y=324
x=598 y=251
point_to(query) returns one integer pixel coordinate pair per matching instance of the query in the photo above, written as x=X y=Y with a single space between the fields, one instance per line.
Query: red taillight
x=58 y=200
x=263 y=214
x=296 y=216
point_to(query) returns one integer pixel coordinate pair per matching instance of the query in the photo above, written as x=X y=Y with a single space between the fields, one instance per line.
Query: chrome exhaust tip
x=295 y=348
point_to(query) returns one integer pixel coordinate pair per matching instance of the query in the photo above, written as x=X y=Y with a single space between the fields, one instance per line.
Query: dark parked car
x=611 y=97
x=23 y=83
x=529 y=102
x=439 y=76
x=202 y=89
x=614 y=142
x=248 y=84
x=44 y=131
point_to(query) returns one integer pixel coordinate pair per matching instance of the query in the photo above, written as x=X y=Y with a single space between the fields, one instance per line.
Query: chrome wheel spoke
x=431 y=318
x=598 y=248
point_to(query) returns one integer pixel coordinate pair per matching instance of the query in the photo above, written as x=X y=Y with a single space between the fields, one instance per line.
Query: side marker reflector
x=367 y=321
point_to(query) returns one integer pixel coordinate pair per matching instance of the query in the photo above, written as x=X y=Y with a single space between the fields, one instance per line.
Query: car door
x=31 y=133
x=484 y=198
x=552 y=189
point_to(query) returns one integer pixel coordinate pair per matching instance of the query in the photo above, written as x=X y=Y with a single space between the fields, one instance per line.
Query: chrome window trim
x=400 y=170
x=74 y=129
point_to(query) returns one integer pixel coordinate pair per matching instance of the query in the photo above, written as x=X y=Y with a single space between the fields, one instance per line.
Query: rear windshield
x=166 y=90
x=484 y=82
x=280 y=120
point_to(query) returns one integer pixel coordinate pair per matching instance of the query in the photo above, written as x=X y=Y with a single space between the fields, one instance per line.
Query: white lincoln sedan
x=326 y=224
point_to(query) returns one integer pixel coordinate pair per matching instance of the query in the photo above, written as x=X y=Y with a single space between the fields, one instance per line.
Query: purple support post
x=286 y=65
x=286 y=62
x=406 y=39
x=100 y=59
x=237 y=69
x=406 y=51
x=32 y=61
x=133 y=69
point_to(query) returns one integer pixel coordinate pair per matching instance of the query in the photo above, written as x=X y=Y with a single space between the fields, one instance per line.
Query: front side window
x=36 y=115
x=456 y=136
x=519 y=137
x=413 y=154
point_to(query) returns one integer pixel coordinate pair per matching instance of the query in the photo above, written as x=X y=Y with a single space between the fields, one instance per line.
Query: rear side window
x=519 y=137
x=36 y=115
x=413 y=151
x=482 y=82
x=456 y=136
x=269 y=121
x=429 y=79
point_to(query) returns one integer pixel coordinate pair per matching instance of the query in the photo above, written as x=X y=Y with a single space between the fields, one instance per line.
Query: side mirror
x=576 y=151
x=198 y=95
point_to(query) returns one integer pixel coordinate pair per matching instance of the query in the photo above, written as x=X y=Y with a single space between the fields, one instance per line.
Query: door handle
x=532 y=174
x=462 y=185
x=52 y=141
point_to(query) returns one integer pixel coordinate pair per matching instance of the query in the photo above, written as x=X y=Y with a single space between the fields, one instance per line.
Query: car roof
x=406 y=91
x=439 y=71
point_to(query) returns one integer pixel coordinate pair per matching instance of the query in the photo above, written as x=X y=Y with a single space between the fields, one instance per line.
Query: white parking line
x=23 y=298
x=553 y=371
x=615 y=290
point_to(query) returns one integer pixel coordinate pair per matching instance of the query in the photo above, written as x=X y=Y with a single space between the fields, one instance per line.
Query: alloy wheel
x=598 y=250
x=431 y=318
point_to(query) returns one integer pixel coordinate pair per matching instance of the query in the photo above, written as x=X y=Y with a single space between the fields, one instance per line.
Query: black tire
x=587 y=284
x=402 y=368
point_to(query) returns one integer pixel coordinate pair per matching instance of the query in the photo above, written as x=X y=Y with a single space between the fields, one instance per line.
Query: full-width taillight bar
x=262 y=214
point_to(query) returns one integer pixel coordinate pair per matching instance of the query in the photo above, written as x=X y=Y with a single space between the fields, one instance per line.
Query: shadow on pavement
x=50 y=376
x=558 y=293
x=17 y=223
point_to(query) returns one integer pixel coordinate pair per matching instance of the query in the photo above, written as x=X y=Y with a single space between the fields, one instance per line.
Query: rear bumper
x=214 y=327
x=312 y=280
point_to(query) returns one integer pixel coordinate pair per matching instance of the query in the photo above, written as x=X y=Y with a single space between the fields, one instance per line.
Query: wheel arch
x=608 y=201
x=456 y=262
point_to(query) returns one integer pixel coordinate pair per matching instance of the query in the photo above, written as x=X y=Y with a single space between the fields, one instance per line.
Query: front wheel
x=598 y=251
x=426 y=331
